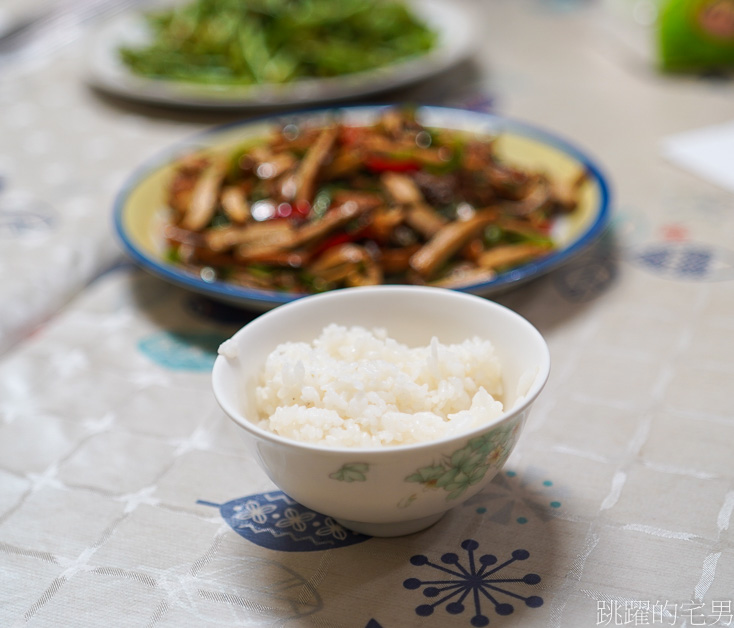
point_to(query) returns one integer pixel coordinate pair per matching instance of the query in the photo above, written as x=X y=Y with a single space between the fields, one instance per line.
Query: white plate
x=106 y=72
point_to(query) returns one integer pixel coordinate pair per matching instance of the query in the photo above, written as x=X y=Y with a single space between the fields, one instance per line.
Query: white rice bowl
x=356 y=387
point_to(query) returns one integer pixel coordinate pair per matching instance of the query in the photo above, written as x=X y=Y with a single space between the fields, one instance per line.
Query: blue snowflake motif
x=475 y=580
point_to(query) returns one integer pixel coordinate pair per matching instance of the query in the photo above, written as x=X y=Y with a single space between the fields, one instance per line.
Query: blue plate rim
x=267 y=299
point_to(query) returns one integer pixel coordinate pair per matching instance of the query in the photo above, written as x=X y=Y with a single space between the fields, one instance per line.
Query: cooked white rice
x=354 y=387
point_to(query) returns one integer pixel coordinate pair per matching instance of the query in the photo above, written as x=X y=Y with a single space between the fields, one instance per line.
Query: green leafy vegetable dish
x=259 y=42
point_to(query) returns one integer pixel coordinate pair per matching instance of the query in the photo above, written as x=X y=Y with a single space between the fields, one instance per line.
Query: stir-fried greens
x=318 y=207
x=249 y=42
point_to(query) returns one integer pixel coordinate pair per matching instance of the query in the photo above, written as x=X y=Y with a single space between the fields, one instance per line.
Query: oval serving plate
x=140 y=210
x=107 y=73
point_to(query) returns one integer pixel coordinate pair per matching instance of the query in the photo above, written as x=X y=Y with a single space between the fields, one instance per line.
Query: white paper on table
x=707 y=152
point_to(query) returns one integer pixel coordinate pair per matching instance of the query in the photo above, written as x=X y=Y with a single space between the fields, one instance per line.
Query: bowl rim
x=236 y=415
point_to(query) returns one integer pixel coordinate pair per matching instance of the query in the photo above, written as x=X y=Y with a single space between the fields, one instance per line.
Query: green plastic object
x=696 y=35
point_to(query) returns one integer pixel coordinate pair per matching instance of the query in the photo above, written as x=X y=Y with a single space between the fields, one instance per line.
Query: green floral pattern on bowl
x=351 y=472
x=467 y=466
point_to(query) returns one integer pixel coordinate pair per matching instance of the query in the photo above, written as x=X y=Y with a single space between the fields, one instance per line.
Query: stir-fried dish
x=251 y=42
x=317 y=207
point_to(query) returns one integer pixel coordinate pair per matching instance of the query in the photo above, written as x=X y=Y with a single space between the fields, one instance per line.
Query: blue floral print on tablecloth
x=182 y=351
x=275 y=521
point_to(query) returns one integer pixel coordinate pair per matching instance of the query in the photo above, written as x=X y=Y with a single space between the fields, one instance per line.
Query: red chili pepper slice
x=302 y=208
x=335 y=240
x=545 y=225
x=381 y=163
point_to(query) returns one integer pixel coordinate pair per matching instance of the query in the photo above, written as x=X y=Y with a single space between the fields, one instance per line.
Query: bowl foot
x=398 y=528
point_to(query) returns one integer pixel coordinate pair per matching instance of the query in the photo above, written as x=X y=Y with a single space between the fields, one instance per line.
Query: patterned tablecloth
x=126 y=495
